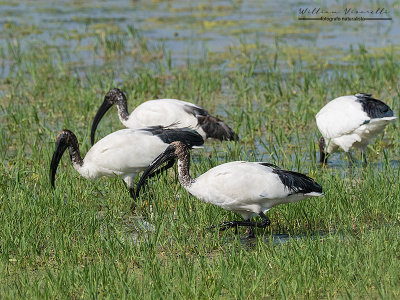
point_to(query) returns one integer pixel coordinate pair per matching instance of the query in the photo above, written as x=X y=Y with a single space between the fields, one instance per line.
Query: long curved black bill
x=61 y=146
x=167 y=156
x=105 y=106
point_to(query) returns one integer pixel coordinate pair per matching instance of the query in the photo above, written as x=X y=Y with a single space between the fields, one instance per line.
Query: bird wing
x=250 y=187
x=164 y=112
x=239 y=182
x=374 y=108
x=212 y=126
x=298 y=183
x=168 y=135
x=341 y=116
x=125 y=150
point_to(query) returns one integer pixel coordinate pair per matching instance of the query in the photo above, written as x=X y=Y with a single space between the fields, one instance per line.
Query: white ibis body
x=164 y=112
x=124 y=153
x=351 y=122
x=247 y=188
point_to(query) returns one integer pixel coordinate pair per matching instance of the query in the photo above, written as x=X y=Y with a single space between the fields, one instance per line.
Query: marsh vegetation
x=80 y=240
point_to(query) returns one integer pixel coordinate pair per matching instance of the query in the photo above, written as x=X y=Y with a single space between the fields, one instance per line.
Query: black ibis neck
x=75 y=154
x=123 y=110
x=183 y=169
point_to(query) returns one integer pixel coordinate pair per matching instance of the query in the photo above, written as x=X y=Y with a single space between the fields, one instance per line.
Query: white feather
x=164 y=112
x=343 y=123
x=246 y=188
x=125 y=153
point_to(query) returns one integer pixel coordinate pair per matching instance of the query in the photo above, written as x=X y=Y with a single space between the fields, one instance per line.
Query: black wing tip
x=168 y=135
x=223 y=136
x=216 y=128
x=213 y=127
x=230 y=135
x=374 y=108
x=158 y=129
x=298 y=182
x=269 y=165
x=192 y=138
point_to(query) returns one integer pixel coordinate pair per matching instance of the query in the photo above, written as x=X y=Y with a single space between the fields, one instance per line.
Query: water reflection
x=282 y=239
x=127 y=229
x=182 y=27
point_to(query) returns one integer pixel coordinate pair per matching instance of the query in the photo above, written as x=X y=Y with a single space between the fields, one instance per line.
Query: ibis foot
x=251 y=234
x=226 y=225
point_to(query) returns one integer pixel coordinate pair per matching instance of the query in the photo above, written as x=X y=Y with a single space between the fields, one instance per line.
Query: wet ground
x=83 y=30
x=104 y=32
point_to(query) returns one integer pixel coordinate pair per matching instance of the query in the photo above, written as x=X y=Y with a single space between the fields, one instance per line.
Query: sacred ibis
x=164 y=112
x=123 y=153
x=247 y=188
x=351 y=122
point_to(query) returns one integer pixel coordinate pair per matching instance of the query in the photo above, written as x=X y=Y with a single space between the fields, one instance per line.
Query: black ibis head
x=114 y=96
x=65 y=139
x=174 y=150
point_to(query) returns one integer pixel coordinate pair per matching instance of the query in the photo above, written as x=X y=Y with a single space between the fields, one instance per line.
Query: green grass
x=79 y=240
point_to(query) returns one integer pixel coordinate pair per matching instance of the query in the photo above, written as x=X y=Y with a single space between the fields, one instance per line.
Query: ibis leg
x=351 y=159
x=132 y=193
x=364 y=158
x=323 y=159
x=226 y=225
x=251 y=233
x=266 y=221
x=131 y=190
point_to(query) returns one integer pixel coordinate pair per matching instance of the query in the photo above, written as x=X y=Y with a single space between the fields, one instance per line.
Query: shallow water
x=128 y=229
x=131 y=228
x=183 y=29
x=282 y=239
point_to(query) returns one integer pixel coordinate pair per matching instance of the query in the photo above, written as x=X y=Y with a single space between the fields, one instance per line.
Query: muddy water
x=188 y=28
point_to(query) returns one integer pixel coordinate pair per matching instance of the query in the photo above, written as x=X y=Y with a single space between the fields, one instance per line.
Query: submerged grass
x=79 y=241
